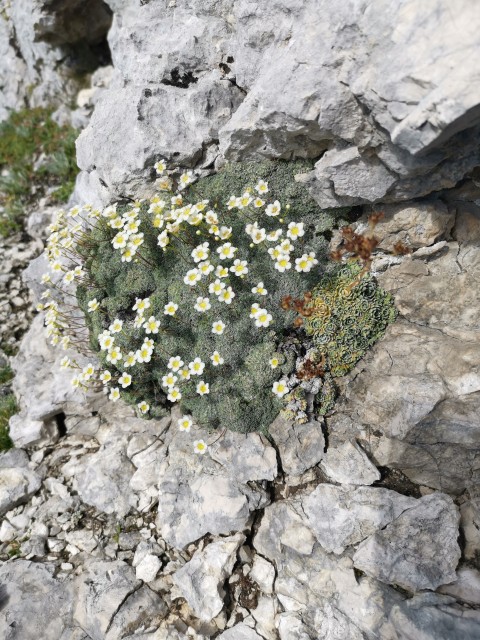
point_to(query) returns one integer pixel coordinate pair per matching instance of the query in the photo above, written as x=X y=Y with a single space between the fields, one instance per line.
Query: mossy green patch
x=240 y=396
x=28 y=137
x=350 y=312
x=8 y=408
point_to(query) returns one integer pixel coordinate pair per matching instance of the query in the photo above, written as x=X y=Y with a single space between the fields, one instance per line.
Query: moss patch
x=28 y=139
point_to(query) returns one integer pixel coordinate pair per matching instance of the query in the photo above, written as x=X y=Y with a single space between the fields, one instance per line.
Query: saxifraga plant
x=181 y=293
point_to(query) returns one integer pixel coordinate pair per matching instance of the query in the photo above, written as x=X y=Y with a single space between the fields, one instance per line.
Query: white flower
x=258 y=235
x=286 y=246
x=120 y=240
x=116 y=223
x=200 y=447
x=280 y=388
x=261 y=187
x=201 y=252
x=262 y=318
x=132 y=227
x=258 y=202
x=128 y=253
x=144 y=354
x=221 y=272
x=184 y=373
x=283 y=264
x=160 y=167
x=202 y=388
x=239 y=267
x=216 y=359
x=125 y=380
x=205 y=267
x=114 y=355
x=295 y=230
x=184 y=423
x=218 y=327
x=274 y=362
x=196 y=367
x=76 y=382
x=105 y=340
x=139 y=320
x=136 y=240
x=170 y=309
x=130 y=359
x=169 y=380
x=114 y=394
x=143 y=406
x=65 y=362
x=175 y=363
x=88 y=371
x=151 y=325
x=186 y=179
x=141 y=304
x=105 y=376
x=305 y=262
x=192 y=277
x=211 y=217
x=260 y=289
x=273 y=209
x=232 y=202
x=93 y=305
x=202 y=304
x=254 y=309
x=116 y=326
x=69 y=277
x=225 y=233
x=216 y=287
x=226 y=251
x=149 y=343
x=244 y=200
x=174 y=394
x=163 y=239
x=226 y=295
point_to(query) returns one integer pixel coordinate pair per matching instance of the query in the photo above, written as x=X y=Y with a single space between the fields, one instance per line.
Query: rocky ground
x=367 y=526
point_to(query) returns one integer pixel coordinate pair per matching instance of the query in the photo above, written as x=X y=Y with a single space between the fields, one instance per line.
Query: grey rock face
x=99 y=592
x=301 y=446
x=199 y=495
x=434 y=617
x=142 y=609
x=418 y=550
x=32 y=600
x=340 y=517
x=284 y=87
x=347 y=463
x=16 y=486
x=240 y=632
x=201 y=579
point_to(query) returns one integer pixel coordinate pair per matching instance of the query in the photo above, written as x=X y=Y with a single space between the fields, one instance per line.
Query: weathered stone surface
x=340 y=517
x=263 y=572
x=301 y=446
x=99 y=592
x=465 y=588
x=347 y=463
x=240 y=632
x=17 y=484
x=33 y=600
x=418 y=550
x=434 y=617
x=148 y=568
x=201 y=579
x=198 y=495
x=25 y=432
x=250 y=455
x=142 y=609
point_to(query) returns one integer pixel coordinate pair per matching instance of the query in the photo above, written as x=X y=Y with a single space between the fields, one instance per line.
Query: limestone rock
x=199 y=496
x=434 y=617
x=465 y=588
x=347 y=463
x=148 y=568
x=26 y=432
x=263 y=572
x=340 y=517
x=33 y=599
x=99 y=592
x=201 y=579
x=418 y=549
x=142 y=609
x=240 y=632
x=301 y=446
x=17 y=484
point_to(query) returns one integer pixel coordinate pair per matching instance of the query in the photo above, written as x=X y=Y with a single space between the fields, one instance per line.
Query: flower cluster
x=182 y=298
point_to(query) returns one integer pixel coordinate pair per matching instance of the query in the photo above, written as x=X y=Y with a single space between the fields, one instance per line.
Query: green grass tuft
x=24 y=137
